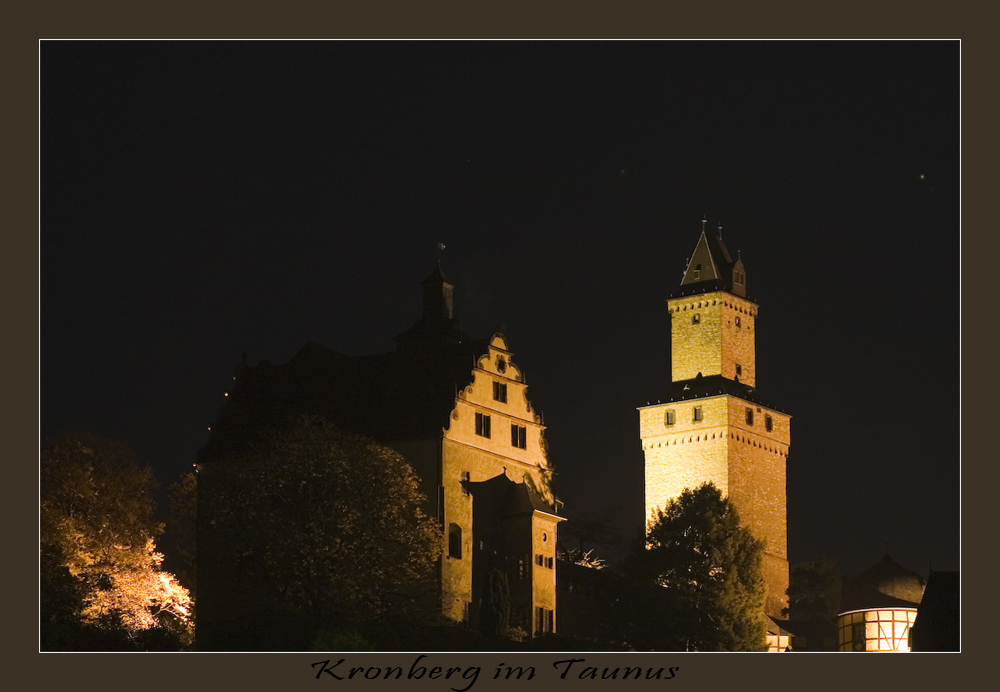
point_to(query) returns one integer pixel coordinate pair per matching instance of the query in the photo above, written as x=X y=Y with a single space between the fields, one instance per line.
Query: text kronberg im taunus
x=463 y=679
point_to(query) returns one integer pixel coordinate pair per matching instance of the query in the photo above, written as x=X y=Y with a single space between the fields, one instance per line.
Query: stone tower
x=713 y=426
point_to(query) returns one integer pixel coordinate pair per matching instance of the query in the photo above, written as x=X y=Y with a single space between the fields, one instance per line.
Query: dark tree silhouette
x=698 y=580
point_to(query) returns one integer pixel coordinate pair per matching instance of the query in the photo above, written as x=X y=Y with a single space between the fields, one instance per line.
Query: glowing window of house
x=482 y=425
x=697 y=414
x=696 y=319
x=455 y=541
x=500 y=392
x=669 y=417
x=519 y=436
x=768 y=422
x=749 y=416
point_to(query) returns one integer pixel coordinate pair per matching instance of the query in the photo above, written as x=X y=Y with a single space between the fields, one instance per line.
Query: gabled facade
x=712 y=425
x=457 y=409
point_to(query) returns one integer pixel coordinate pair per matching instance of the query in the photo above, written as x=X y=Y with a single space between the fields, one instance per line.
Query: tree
x=322 y=528
x=99 y=568
x=709 y=572
x=814 y=590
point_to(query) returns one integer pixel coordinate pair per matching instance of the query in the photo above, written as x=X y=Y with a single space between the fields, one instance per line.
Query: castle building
x=713 y=426
x=457 y=409
x=879 y=607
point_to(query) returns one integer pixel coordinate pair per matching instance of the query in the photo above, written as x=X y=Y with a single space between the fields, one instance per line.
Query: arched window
x=455 y=541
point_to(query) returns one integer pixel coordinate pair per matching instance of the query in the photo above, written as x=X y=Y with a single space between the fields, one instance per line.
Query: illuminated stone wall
x=745 y=461
x=685 y=454
x=481 y=458
x=712 y=333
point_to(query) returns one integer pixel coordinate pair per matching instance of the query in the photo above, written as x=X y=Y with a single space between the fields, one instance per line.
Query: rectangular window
x=749 y=416
x=500 y=392
x=696 y=319
x=519 y=436
x=544 y=620
x=739 y=369
x=550 y=562
x=538 y=560
x=482 y=425
x=768 y=422
x=465 y=482
x=737 y=321
x=668 y=419
x=697 y=414
x=518 y=566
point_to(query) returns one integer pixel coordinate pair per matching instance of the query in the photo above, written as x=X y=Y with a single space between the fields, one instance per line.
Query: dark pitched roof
x=436 y=277
x=938 y=624
x=391 y=397
x=709 y=269
x=713 y=385
x=507 y=498
x=886 y=583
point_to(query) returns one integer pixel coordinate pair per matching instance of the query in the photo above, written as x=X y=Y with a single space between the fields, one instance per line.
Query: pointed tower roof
x=711 y=268
x=437 y=325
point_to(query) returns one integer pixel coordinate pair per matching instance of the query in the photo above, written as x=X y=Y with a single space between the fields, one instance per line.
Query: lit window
x=455 y=541
x=696 y=319
x=749 y=416
x=519 y=436
x=697 y=271
x=668 y=418
x=500 y=392
x=768 y=422
x=482 y=425
x=697 y=414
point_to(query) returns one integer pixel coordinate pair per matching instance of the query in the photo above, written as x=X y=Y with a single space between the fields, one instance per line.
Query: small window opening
x=768 y=423
x=519 y=436
x=482 y=425
x=695 y=319
x=669 y=418
x=697 y=414
x=500 y=392
x=455 y=541
x=749 y=416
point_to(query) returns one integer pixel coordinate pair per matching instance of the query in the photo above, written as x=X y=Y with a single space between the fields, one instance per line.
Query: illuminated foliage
x=321 y=526
x=99 y=562
x=709 y=570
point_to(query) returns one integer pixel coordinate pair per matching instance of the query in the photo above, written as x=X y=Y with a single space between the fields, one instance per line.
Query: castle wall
x=712 y=333
x=685 y=454
x=757 y=488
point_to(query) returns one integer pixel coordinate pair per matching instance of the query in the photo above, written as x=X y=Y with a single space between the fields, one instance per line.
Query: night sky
x=202 y=200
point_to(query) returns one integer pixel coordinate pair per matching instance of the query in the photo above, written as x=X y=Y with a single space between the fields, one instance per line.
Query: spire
x=711 y=267
x=438 y=295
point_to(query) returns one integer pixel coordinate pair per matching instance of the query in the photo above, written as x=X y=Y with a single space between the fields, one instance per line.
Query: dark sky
x=201 y=200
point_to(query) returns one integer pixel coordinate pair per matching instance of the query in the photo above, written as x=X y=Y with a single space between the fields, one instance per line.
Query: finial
x=720 y=229
x=703 y=222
